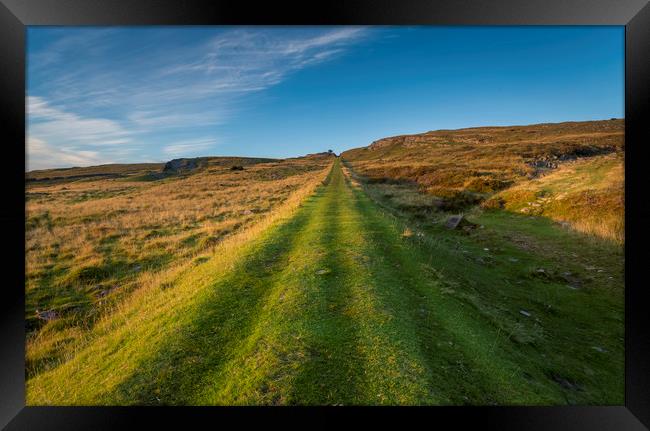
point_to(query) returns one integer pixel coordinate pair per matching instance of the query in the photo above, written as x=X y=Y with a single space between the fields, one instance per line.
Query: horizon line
x=308 y=154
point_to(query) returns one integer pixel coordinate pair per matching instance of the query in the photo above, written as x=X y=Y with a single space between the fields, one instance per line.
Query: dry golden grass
x=484 y=159
x=91 y=243
x=506 y=167
x=587 y=195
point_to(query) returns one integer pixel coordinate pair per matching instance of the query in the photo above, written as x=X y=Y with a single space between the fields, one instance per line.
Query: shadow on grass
x=334 y=370
x=491 y=296
x=180 y=367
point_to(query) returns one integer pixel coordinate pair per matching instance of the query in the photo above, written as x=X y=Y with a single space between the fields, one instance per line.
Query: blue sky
x=100 y=95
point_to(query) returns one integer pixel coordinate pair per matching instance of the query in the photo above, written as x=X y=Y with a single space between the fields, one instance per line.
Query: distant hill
x=108 y=171
x=183 y=165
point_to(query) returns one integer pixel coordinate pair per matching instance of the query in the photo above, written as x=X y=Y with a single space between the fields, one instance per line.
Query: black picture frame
x=15 y=15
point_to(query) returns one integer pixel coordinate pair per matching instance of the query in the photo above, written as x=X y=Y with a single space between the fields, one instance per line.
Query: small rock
x=566 y=384
x=524 y=312
x=323 y=271
x=486 y=249
x=487 y=260
x=513 y=259
x=599 y=349
x=46 y=315
x=247 y=212
x=458 y=221
x=453 y=222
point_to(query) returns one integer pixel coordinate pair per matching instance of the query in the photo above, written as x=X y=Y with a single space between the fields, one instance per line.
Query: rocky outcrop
x=552 y=161
x=177 y=166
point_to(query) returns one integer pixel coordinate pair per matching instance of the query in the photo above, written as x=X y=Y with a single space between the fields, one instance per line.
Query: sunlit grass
x=84 y=256
x=328 y=301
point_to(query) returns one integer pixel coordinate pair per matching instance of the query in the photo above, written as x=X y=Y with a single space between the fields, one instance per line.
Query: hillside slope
x=466 y=167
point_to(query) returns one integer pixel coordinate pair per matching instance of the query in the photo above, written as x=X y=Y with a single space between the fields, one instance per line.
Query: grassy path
x=336 y=306
x=330 y=309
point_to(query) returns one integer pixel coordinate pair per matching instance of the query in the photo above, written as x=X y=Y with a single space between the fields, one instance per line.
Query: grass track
x=335 y=306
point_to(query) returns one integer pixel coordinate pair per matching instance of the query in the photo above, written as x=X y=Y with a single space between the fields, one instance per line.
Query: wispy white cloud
x=189 y=147
x=95 y=91
x=167 y=118
x=57 y=138
x=335 y=37
x=88 y=42
x=56 y=125
x=252 y=60
x=40 y=155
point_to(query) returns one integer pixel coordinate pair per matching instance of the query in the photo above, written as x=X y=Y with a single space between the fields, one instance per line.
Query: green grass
x=91 y=242
x=576 y=302
x=337 y=306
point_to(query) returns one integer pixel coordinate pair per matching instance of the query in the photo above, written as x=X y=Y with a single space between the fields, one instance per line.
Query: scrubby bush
x=494 y=203
x=461 y=200
x=486 y=184
x=208 y=241
x=84 y=275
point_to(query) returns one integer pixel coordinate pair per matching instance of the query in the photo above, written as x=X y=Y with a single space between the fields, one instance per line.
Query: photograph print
x=324 y=215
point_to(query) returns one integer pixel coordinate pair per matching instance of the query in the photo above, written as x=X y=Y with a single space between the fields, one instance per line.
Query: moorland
x=473 y=266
